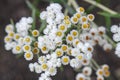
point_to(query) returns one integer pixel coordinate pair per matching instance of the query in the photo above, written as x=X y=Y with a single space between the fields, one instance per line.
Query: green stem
x=43 y=26
x=104 y=8
x=68 y=3
x=95 y=63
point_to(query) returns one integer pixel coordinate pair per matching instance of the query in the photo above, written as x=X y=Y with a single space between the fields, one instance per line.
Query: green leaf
x=109 y=15
x=99 y=1
x=70 y=9
x=57 y=1
x=30 y=5
x=90 y=9
x=108 y=22
x=12 y=22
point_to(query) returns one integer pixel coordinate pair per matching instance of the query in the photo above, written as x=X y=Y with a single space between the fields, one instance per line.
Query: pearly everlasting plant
x=63 y=40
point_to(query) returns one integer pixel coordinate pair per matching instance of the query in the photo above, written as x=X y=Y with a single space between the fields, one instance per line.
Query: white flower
x=44 y=49
x=101 y=30
x=7 y=39
x=8 y=46
x=64 y=48
x=100 y=72
x=29 y=20
x=80 y=76
x=100 y=78
x=17 y=49
x=38 y=68
x=62 y=27
x=28 y=56
x=59 y=52
x=80 y=45
x=90 y=17
x=65 y=60
x=74 y=33
x=27 y=40
x=9 y=28
x=80 y=10
x=75 y=42
x=85 y=61
x=35 y=33
x=80 y=56
x=31 y=67
x=42 y=59
x=75 y=51
x=87 y=48
x=74 y=63
x=83 y=19
x=26 y=48
x=52 y=71
x=17 y=36
x=107 y=47
x=116 y=37
x=87 y=71
x=114 y=28
x=44 y=66
x=74 y=20
x=69 y=38
x=105 y=67
x=43 y=15
x=93 y=31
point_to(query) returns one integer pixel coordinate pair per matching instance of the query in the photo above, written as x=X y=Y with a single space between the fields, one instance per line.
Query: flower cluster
x=95 y=36
x=18 y=39
x=103 y=72
x=115 y=29
x=64 y=41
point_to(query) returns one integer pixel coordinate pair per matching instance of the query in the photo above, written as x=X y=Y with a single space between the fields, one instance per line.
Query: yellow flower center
x=17 y=37
x=81 y=9
x=28 y=55
x=107 y=73
x=78 y=15
x=81 y=78
x=84 y=19
x=70 y=38
x=59 y=53
x=35 y=50
x=100 y=72
x=18 y=48
x=11 y=34
x=75 y=19
x=64 y=47
x=67 y=22
x=27 y=39
x=36 y=44
x=66 y=17
x=80 y=57
x=7 y=39
x=44 y=48
x=62 y=27
x=65 y=60
x=59 y=33
x=85 y=26
x=91 y=16
x=35 y=33
x=76 y=42
x=44 y=66
x=74 y=33
x=27 y=47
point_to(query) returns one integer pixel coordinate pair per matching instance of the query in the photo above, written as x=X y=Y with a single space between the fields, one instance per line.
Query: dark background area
x=12 y=68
